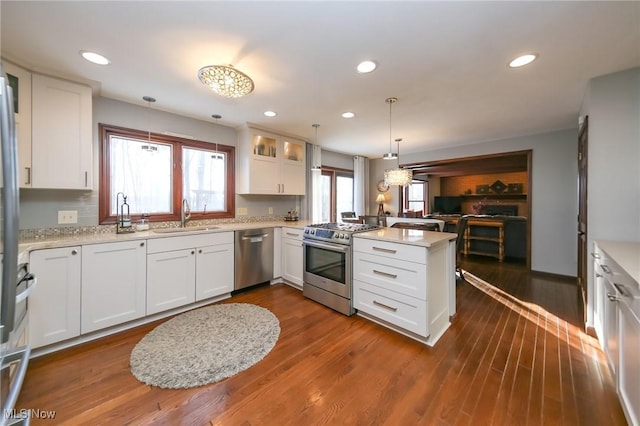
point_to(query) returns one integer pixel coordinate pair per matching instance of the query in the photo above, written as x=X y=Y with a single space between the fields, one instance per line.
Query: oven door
x=328 y=266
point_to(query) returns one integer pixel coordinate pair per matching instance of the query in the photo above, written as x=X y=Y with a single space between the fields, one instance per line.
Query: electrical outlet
x=242 y=211
x=67 y=216
x=270 y=210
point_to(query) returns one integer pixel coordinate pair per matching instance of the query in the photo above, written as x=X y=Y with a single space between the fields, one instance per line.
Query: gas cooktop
x=339 y=233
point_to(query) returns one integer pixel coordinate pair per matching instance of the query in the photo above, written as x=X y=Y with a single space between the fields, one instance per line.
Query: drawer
x=400 y=276
x=158 y=245
x=391 y=250
x=398 y=309
x=292 y=233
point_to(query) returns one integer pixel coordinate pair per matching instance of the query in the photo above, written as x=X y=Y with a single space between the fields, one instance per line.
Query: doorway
x=583 y=139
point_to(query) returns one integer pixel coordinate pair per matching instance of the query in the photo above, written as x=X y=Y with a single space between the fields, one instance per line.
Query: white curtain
x=314 y=184
x=360 y=185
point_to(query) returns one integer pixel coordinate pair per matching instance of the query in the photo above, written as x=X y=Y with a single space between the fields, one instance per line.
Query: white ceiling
x=446 y=62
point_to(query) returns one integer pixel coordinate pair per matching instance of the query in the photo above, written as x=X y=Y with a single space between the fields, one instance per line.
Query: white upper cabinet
x=61 y=134
x=269 y=163
x=20 y=81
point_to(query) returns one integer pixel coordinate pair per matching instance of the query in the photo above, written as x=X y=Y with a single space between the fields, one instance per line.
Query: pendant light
x=316 y=167
x=149 y=147
x=390 y=155
x=399 y=176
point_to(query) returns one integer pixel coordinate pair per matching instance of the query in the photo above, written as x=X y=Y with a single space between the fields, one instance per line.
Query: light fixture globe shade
x=226 y=80
x=398 y=177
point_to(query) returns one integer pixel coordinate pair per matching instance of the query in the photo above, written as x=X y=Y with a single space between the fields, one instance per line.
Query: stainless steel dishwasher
x=253 y=257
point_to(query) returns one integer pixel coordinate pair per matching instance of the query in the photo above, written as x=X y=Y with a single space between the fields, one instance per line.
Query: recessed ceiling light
x=348 y=114
x=523 y=60
x=270 y=113
x=95 y=58
x=366 y=66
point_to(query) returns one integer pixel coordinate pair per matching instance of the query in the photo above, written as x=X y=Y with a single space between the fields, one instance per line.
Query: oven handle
x=332 y=247
x=27 y=292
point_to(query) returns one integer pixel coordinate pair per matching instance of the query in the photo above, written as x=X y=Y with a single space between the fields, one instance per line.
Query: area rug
x=205 y=345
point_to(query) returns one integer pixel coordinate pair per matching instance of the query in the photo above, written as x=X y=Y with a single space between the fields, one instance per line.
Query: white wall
x=613 y=202
x=553 y=192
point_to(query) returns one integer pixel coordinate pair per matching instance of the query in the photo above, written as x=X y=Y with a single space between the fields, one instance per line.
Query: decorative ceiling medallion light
x=226 y=80
x=390 y=155
x=523 y=60
x=366 y=67
x=95 y=58
x=400 y=177
x=270 y=113
x=348 y=114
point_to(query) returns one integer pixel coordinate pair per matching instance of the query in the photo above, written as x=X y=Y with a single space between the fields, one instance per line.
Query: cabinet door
x=214 y=271
x=54 y=305
x=629 y=367
x=113 y=284
x=292 y=262
x=61 y=134
x=610 y=326
x=20 y=81
x=171 y=278
x=293 y=168
x=265 y=176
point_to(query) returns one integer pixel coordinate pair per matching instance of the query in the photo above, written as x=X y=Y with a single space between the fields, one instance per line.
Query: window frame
x=425 y=199
x=177 y=143
x=333 y=173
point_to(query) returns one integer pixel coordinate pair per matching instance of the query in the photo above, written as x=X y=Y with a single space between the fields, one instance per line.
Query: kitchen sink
x=183 y=230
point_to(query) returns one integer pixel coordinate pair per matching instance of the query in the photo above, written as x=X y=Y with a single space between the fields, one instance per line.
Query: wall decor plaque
x=482 y=189
x=514 y=188
x=498 y=187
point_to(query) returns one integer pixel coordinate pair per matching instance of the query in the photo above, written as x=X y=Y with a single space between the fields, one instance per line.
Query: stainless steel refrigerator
x=14 y=349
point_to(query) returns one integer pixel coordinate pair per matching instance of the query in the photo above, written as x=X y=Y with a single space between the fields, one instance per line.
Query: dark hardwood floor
x=504 y=361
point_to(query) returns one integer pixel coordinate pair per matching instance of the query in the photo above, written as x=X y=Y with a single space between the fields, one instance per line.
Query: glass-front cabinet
x=269 y=163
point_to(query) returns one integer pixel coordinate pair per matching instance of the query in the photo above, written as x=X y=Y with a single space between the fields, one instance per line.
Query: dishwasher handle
x=254 y=238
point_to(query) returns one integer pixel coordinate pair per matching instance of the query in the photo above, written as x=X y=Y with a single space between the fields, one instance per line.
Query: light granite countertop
x=408 y=236
x=626 y=254
x=60 y=241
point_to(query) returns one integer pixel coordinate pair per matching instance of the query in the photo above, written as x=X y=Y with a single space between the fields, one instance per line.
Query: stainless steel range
x=327 y=264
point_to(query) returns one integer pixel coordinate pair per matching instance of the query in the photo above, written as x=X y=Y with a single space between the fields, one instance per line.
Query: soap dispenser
x=123 y=223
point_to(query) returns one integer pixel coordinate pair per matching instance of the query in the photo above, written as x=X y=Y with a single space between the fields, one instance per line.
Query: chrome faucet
x=185 y=213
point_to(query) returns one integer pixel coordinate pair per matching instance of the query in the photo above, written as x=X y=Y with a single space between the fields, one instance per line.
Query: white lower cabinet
x=113 y=284
x=292 y=261
x=617 y=318
x=54 y=305
x=181 y=270
x=214 y=270
x=402 y=286
x=170 y=280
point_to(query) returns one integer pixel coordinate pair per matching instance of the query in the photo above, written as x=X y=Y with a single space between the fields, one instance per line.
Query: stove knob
x=346 y=237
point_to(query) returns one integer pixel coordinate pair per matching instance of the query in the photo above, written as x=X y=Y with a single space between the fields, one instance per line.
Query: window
x=337 y=193
x=156 y=172
x=416 y=196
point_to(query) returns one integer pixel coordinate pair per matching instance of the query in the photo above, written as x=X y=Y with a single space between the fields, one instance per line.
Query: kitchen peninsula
x=404 y=279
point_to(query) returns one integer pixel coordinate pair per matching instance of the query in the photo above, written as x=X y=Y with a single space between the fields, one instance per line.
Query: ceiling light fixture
x=348 y=114
x=523 y=60
x=365 y=67
x=270 y=113
x=225 y=80
x=399 y=176
x=316 y=167
x=95 y=58
x=390 y=155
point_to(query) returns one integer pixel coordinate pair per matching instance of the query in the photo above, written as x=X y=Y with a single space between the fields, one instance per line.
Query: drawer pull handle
x=599 y=275
x=606 y=269
x=382 y=305
x=74 y=252
x=292 y=234
x=385 y=274
x=612 y=297
x=595 y=255
x=385 y=250
x=621 y=289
